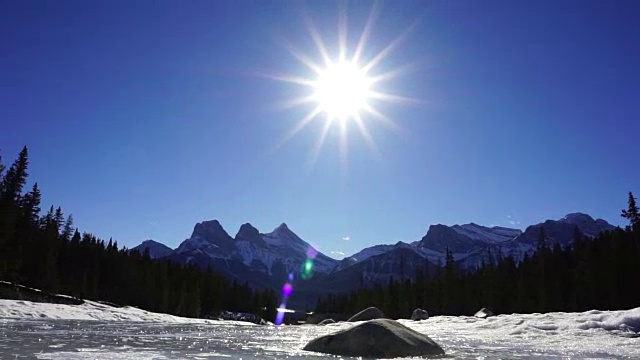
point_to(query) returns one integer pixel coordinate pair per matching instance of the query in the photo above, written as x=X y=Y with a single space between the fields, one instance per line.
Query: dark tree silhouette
x=47 y=252
x=590 y=273
x=632 y=213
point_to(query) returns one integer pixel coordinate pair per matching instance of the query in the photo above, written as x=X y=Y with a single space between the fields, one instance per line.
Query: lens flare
x=307 y=269
x=287 y=290
x=280 y=314
x=308 y=266
x=306 y=272
x=312 y=252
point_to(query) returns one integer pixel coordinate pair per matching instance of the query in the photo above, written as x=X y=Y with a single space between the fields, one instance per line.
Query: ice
x=61 y=335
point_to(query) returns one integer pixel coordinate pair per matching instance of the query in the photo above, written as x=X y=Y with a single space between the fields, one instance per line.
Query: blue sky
x=144 y=117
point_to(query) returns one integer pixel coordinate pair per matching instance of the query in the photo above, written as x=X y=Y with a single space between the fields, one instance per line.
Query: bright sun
x=342 y=90
x=343 y=87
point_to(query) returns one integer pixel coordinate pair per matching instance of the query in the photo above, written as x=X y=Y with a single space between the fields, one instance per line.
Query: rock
x=484 y=313
x=419 y=314
x=380 y=338
x=369 y=313
x=326 y=321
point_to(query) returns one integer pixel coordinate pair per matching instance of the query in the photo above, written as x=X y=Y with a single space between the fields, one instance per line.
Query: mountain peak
x=247 y=228
x=282 y=228
x=210 y=232
x=210 y=223
x=156 y=249
x=207 y=228
x=248 y=232
x=577 y=218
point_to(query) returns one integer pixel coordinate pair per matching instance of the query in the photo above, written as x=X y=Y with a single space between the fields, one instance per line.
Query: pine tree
x=31 y=204
x=632 y=213
x=15 y=178
x=67 y=232
x=10 y=193
x=58 y=219
x=1 y=169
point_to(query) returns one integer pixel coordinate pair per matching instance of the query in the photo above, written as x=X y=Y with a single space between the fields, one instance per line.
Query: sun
x=342 y=90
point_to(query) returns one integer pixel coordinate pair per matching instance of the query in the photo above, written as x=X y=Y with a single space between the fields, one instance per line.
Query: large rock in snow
x=369 y=313
x=380 y=338
x=419 y=314
x=484 y=313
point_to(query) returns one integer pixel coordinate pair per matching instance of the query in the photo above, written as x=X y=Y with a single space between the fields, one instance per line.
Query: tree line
x=591 y=273
x=45 y=251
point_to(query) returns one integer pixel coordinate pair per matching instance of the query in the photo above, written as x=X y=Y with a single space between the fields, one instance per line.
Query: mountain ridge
x=269 y=259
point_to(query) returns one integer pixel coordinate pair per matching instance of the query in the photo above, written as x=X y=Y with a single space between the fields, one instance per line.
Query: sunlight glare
x=345 y=87
x=342 y=90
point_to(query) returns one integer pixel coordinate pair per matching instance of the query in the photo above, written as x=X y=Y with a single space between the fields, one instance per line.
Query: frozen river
x=593 y=334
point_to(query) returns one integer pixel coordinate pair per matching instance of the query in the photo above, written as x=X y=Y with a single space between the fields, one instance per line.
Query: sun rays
x=343 y=89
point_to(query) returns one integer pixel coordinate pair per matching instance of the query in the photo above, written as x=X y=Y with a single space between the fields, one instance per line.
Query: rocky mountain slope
x=268 y=259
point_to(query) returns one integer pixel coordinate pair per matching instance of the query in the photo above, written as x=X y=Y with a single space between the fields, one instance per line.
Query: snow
x=129 y=334
x=90 y=310
x=492 y=235
x=591 y=334
x=372 y=251
x=280 y=236
x=577 y=218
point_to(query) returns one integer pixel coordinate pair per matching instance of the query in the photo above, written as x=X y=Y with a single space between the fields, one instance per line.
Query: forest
x=45 y=251
x=600 y=273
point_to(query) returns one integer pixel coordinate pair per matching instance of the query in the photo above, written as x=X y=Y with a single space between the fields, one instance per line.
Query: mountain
x=208 y=237
x=400 y=261
x=363 y=255
x=268 y=259
x=262 y=259
x=156 y=249
x=472 y=244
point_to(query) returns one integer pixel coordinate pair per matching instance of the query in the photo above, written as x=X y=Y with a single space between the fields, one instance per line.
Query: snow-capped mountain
x=471 y=244
x=363 y=255
x=280 y=246
x=493 y=235
x=210 y=238
x=400 y=261
x=156 y=249
x=263 y=259
x=267 y=259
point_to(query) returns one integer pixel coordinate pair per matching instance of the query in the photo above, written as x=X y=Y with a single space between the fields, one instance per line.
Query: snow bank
x=596 y=333
x=628 y=321
x=19 y=309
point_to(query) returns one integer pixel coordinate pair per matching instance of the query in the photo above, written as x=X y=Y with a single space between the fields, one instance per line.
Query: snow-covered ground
x=90 y=310
x=127 y=333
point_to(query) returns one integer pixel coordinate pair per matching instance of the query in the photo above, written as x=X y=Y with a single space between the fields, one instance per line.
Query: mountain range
x=268 y=259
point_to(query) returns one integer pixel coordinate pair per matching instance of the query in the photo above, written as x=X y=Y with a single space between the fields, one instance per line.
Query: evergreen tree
x=592 y=273
x=10 y=193
x=15 y=178
x=58 y=219
x=1 y=169
x=31 y=205
x=632 y=213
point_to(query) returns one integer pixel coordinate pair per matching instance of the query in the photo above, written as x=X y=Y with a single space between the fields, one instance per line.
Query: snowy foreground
x=96 y=331
x=90 y=310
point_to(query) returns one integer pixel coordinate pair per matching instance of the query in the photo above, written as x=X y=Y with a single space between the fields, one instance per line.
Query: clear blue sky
x=146 y=117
